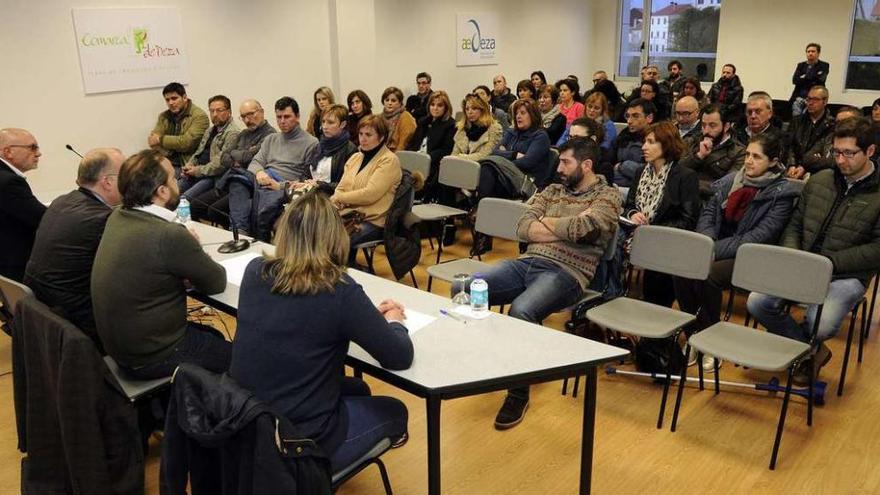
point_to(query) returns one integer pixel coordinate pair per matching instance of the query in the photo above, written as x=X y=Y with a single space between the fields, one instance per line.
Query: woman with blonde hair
x=478 y=131
x=596 y=108
x=298 y=311
x=322 y=98
x=401 y=124
x=434 y=136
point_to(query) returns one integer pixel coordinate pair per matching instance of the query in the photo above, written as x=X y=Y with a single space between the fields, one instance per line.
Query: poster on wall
x=129 y=48
x=477 y=40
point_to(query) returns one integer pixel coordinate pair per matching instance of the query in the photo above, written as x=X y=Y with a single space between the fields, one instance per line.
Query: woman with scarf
x=359 y=106
x=663 y=193
x=751 y=205
x=401 y=124
x=322 y=99
x=478 y=132
x=434 y=136
x=334 y=147
x=552 y=119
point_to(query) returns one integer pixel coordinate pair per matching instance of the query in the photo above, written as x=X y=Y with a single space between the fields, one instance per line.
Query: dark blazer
x=440 y=136
x=60 y=268
x=20 y=214
x=337 y=162
x=805 y=77
x=680 y=204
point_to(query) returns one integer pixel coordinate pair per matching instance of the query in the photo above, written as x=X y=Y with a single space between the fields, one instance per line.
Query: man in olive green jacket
x=838 y=216
x=179 y=129
x=198 y=174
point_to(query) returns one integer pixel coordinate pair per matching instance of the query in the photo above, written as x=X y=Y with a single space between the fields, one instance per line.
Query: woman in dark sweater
x=434 y=135
x=551 y=119
x=297 y=313
x=359 y=106
x=664 y=193
x=334 y=147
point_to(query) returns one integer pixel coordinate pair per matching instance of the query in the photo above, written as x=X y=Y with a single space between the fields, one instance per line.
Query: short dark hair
x=770 y=143
x=139 y=177
x=484 y=88
x=647 y=107
x=531 y=107
x=378 y=123
x=582 y=148
x=859 y=128
x=674 y=63
x=726 y=113
x=592 y=126
x=221 y=98
x=528 y=86
x=539 y=74
x=572 y=85
x=551 y=90
x=731 y=66
x=368 y=104
x=817 y=46
x=392 y=90
x=287 y=102
x=174 y=87
x=425 y=75
x=655 y=86
x=856 y=111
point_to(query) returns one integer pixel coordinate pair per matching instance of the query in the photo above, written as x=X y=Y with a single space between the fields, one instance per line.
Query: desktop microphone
x=236 y=245
x=69 y=147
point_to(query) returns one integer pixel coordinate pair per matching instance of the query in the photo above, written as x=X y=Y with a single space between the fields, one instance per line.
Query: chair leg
x=863 y=328
x=430 y=279
x=577 y=383
x=782 y=419
x=700 y=369
x=811 y=385
x=413 y=277
x=384 y=474
x=873 y=300
x=748 y=319
x=672 y=348
x=681 y=380
x=439 y=248
x=729 y=312
x=565 y=386
x=849 y=336
x=717 y=380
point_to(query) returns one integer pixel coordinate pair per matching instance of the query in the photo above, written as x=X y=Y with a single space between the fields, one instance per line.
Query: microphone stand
x=236 y=245
x=70 y=148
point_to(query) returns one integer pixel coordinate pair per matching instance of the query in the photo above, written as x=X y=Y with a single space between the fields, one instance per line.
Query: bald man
x=20 y=211
x=60 y=267
x=687 y=117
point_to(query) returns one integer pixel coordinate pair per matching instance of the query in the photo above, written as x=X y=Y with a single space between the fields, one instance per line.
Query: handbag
x=352 y=220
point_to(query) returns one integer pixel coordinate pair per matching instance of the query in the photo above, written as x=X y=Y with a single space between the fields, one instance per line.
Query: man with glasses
x=60 y=267
x=687 y=112
x=838 y=216
x=20 y=211
x=715 y=153
x=197 y=176
x=810 y=135
x=179 y=129
x=627 y=154
x=417 y=104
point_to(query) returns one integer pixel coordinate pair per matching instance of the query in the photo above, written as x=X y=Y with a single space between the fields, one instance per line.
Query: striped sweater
x=586 y=222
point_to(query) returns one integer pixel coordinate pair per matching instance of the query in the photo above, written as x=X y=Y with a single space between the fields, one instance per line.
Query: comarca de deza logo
x=476 y=42
x=137 y=38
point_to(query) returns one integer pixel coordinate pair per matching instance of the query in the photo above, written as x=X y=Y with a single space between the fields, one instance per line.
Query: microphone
x=236 y=245
x=69 y=147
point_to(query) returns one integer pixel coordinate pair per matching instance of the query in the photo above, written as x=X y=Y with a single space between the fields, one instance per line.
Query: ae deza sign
x=477 y=40
x=129 y=48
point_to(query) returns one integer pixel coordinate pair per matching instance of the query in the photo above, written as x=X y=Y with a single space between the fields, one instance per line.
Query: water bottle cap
x=478 y=275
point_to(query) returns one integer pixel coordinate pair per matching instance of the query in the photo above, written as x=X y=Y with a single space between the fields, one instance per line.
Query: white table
x=453 y=359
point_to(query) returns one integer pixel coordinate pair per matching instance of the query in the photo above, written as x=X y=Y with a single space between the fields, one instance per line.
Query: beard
x=574 y=179
x=173 y=203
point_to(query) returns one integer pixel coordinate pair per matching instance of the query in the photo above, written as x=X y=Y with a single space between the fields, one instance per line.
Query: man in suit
x=20 y=211
x=60 y=267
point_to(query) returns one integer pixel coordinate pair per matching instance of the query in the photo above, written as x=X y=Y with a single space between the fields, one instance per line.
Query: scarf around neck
x=760 y=182
x=547 y=117
x=329 y=146
x=393 y=115
x=474 y=132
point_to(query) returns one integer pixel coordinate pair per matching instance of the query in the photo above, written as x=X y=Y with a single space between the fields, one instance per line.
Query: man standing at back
x=143 y=266
x=20 y=211
x=60 y=268
x=417 y=104
x=179 y=129
x=811 y=72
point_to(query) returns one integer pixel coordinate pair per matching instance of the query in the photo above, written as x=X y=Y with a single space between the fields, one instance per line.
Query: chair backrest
x=458 y=172
x=620 y=126
x=498 y=217
x=415 y=162
x=11 y=292
x=782 y=272
x=673 y=251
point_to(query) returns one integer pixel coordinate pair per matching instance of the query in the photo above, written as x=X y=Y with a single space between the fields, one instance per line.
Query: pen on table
x=453 y=316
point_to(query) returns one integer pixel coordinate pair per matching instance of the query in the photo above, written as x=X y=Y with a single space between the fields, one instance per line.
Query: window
x=688 y=30
x=863 y=69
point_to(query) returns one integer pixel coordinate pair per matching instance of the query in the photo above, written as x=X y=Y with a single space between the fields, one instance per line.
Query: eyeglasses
x=685 y=113
x=248 y=114
x=110 y=175
x=33 y=147
x=815 y=98
x=848 y=154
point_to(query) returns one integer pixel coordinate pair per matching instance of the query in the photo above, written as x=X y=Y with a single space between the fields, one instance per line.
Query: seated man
x=810 y=134
x=199 y=172
x=143 y=267
x=585 y=127
x=759 y=118
x=727 y=91
x=417 y=104
x=687 y=116
x=178 y=129
x=627 y=155
x=838 y=216
x=716 y=153
x=285 y=156
x=20 y=211
x=60 y=268
x=567 y=227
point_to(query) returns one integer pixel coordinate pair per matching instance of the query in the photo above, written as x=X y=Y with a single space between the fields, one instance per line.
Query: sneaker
x=511 y=413
x=801 y=374
x=401 y=441
x=709 y=363
x=692 y=357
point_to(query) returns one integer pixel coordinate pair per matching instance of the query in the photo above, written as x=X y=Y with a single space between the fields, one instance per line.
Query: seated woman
x=691 y=87
x=401 y=124
x=596 y=108
x=359 y=106
x=664 y=193
x=368 y=182
x=613 y=97
x=552 y=119
x=297 y=313
x=434 y=136
x=650 y=91
x=538 y=79
x=526 y=145
x=500 y=114
x=525 y=90
x=322 y=99
x=568 y=104
x=752 y=205
x=477 y=132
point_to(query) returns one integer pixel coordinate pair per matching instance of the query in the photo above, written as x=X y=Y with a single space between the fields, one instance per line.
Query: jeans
x=703 y=297
x=191 y=187
x=367 y=233
x=535 y=288
x=202 y=345
x=240 y=202
x=842 y=297
x=625 y=174
x=370 y=419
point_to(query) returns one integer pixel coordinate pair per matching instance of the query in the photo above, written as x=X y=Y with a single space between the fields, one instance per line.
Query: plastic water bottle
x=183 y=212
x=479 y=295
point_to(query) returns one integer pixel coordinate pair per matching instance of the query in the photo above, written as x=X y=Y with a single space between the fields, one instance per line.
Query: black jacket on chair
x=680 y=204
x=403 y=245
x=224 y=441
x=20 y=214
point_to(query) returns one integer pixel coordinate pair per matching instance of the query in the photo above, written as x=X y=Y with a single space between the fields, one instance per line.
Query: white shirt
x=323 y=170
x=159 y=211
x=17 y=171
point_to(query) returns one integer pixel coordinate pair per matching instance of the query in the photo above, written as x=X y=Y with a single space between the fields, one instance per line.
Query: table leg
x=588 y=431
x=433 y=406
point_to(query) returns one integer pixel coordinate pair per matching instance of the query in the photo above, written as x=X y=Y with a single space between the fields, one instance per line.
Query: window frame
x=852 y=32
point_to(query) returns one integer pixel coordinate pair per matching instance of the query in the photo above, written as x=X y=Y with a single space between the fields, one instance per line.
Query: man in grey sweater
x=143 y=266
x=284 y=156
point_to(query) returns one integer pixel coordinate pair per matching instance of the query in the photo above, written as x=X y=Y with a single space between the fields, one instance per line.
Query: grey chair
x=11 y=292
x=369 y=247
x=495 y=217
x=133 y=388
x=790 y=274
x=415 y=162
x=676 y=252
x=371 y=457
x=457 y=173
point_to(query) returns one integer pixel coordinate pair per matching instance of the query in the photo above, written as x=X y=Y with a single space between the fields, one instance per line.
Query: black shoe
x=511 y=413
x=449 y=231
x=802 y=373
x=400 y=442
x=482 y=245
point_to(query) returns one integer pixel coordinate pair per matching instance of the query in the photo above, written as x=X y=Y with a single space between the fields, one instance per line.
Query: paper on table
x=235 y=267
x=416 y=321
x=465 y=310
